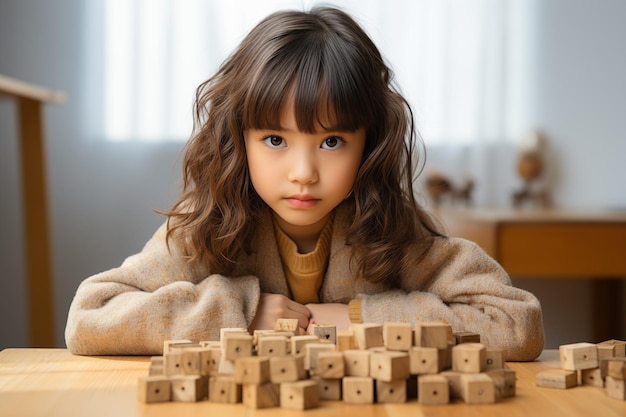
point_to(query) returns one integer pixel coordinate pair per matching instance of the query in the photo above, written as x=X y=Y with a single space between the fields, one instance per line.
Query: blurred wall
x=101 y=194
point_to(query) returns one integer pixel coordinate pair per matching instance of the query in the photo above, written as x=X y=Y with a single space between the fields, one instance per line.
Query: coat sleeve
x=153 y=296
x=458 y=283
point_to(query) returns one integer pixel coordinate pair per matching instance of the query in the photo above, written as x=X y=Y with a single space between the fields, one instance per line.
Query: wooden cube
x=216 y=357
x=273 y=346
x=157 y=366
x=454 y=380
x=226 y=330
x=358 y=390
x=330 y=365
x=398 y=336
x=368 y=335
x=261 y=395
x=226 y=367
x=345 y=340
x=325 y=332
x=433 y=390
x=168 y=343
x=173 y=363
x=611 y=349
x=477 y=389
x=615 y=388
x=329 y=388
x=288 y=368
x=196 y=361
x=494 y=359
x=466 y=337
x=252 y=370
x=357 y=362
x=311 y=350
x=224 y=389
x=504 y=381
x=616 y=368
x=189 y=388
x=591 y=377
x=298 y=343
x=390 y=365
x=299 y=395
x=432 y=334
x=391 y=391
x=154 y=389
x=236 y=345
x=577 y=356
x=424 y=360
x=288 y=325
x=469 y=358
x=556 y=378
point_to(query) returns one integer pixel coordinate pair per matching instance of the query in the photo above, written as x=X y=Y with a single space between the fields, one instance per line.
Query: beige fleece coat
x=157 y=295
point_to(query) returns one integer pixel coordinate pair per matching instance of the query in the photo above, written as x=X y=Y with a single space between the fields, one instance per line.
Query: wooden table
x=555 y=244
x=29 y=100
x=52 y=382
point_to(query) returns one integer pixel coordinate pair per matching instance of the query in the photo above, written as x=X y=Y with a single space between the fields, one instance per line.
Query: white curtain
x=460 y=63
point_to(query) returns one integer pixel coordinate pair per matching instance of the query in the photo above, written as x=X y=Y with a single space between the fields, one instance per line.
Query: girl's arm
x=458 y=283
x=154 y=296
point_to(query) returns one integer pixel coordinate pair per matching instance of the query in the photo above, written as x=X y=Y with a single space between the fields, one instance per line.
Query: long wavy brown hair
x=325 y=60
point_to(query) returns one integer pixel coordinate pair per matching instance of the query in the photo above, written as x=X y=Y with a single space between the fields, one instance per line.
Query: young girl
x=298 y=203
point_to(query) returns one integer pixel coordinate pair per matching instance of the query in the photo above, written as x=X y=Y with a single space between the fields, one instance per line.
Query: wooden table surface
x=52 y=382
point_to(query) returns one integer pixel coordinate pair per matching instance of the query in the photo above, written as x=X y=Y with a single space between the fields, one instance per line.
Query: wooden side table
x=29 y=100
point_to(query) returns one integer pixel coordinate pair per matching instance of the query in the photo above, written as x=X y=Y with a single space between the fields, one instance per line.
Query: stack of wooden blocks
x=370 y=363
x=602 y=365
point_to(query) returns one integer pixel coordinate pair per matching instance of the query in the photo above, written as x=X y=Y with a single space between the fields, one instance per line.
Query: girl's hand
x=277 y=306
x=331 y=313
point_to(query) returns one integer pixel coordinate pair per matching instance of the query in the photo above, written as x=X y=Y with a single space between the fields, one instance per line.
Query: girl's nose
x=303 y=169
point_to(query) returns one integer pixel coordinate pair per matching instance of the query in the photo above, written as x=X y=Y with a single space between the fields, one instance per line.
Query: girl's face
x=303 y=176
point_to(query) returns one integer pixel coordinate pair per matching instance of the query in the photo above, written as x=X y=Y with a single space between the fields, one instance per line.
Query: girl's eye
x=332 y=142
x=274 y=141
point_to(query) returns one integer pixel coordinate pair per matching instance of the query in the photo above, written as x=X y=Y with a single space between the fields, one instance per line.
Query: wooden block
x=504 y=381
x=616 y=368
x=196 y=361
x=433 y=390
x=236 y=345
x=154 y=389
x=326 y=332
x=390 y=365
x=357 y=362
x=226 y=367
x=398 y=336
x=189 y=388
x=311 y=350
x=615 y=388
x=454 y=380
x=591 y=377
x=289 y=368
x=168 y=343
x=224 y=389
x=469 y=358
x=556 y=378
x=424 y=360
x=391 y=391
x=477 y=389
x=611 y=349
x=432 y=334
x=299 y=395
x=273 y=346
x=577 y=356
x=173 y=363
x=494 y=359
x=209 y=343
x=358 y=390
x=216 y=357
x=298 y=343
x=252 y=370
x=261 y=395
x=329 y=388
x=157 y=366
x=287 y=325
x=466 y=337
x=368 y=335
x=330 y=365
x=345 y=340
x=225 y=330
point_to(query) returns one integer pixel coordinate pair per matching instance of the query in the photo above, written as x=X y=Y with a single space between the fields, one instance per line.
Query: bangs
x=319 y=75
